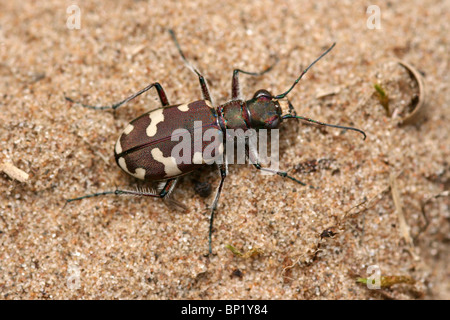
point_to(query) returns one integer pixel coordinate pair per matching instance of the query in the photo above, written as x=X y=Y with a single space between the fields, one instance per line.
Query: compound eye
x=273 y=123
x=262 y=95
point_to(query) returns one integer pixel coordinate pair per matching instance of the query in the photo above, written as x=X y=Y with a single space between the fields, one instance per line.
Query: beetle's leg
x=167 y=187
x=253 y=156
x=117 y=192
x=166 y=190
x=162 y=97
x=280 y=173
x=235 y=88
x=223 y=168
x=202 y=80
x=292 y=110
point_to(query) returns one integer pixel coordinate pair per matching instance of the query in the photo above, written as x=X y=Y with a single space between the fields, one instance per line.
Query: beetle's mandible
x=144 y=149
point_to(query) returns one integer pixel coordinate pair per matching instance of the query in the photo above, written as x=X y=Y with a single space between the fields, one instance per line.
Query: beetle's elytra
x=145 y=148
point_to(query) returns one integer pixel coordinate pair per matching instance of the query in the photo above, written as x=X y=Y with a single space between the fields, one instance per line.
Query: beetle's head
x=265 y=111
x=264 y=108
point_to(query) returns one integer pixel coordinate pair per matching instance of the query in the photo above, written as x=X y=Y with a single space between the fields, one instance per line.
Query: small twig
x=445 y=193
x=13 y=172
x=404 y=227
x=292 y=265
x=389 y=281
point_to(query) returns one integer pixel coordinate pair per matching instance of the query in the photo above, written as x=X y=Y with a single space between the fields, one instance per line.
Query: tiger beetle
x=144 y=148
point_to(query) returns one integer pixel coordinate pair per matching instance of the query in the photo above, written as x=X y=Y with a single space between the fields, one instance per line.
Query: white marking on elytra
x=170 y=163
x=128 y=129
x=184 y=107
x=197 y=158
x=118 y=146
x=139 y=173
x=156 y=117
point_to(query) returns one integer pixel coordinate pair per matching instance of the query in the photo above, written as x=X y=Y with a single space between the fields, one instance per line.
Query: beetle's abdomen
x=144 y=149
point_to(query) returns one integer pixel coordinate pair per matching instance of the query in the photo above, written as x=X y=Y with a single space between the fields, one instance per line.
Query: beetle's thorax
x=234 y=115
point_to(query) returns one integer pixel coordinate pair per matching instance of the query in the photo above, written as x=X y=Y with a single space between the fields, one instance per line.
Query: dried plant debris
x=311 y=255
x=328 y=91
x=328 y=233
x=404 y=227
x=383 y=97
x=401 y=94
x=444 y=194
x=417 y=101
x=13 y=172
x=387 y=281
x=306 y=259
x=251 y=253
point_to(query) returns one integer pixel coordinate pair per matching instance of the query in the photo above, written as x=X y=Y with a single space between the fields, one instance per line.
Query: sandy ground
x=138 y=248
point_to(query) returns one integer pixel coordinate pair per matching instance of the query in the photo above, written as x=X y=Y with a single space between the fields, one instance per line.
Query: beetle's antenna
x=203 y=84
x=290 y=116
x=186 y=61
x=281 y=96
